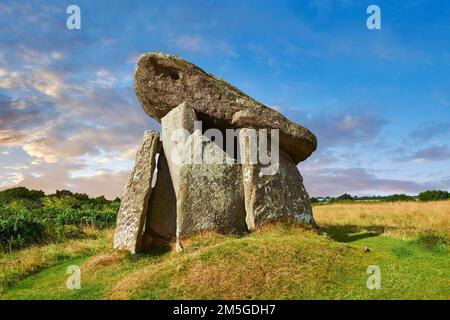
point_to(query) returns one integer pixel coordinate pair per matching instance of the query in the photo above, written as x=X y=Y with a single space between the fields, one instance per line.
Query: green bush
x=19 y=228
x=342 y=198
x=399 y=197
x=86 y=218
x=20 y=193
x=434 y=195
x=29 y=217
x=23 y=227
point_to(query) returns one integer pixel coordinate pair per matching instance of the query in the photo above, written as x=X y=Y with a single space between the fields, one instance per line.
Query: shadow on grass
x=153 y=252
x=351 y=233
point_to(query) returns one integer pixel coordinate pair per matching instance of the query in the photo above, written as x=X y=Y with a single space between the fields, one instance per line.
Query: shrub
x=434 y=195
x=86 y=218
x=342 y=198
x=18 y=229
x=399 y=197
x=345 y=196
x=9 y=195
x=29 y=217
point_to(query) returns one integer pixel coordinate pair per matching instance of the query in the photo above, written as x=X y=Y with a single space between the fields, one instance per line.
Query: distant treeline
x=29 y=217
x=429 y=195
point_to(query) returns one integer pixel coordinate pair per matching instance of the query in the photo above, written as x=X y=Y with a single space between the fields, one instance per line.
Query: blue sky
x=378 y=100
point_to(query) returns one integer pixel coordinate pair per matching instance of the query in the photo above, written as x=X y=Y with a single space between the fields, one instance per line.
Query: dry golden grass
x=399 y=219
x=132 y=282
x=104 y=260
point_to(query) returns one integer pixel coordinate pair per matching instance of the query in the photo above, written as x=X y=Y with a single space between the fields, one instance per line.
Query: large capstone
x=162 y=82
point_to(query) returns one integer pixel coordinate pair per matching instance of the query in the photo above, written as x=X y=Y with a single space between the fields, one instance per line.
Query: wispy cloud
x=345 y=127
x=107 y=183
x=427 y=154
x=360 y=181
x=431 y=130
x=69 y=117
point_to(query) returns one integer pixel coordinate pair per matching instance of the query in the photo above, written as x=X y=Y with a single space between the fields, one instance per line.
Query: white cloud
x=44 y=81
x=103 y=73
x=56 y=55
x=192 y=43
x=10 y=138
x=197 y=43
x=104 y=78
x=357 y=181
x=55 y=177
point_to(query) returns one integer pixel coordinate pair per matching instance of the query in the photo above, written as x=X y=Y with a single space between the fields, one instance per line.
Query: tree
x=399 y=197
x=434 y=195
x=20 y=193
x=63 y=193
x=345 y=197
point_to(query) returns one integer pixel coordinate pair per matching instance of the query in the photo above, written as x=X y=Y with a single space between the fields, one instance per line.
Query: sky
x=377 y=100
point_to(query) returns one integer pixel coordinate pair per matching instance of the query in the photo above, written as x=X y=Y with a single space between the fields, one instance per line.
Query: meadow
x=408 y=241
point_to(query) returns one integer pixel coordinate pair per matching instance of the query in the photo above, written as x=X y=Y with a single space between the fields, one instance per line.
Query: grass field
x=409 y=241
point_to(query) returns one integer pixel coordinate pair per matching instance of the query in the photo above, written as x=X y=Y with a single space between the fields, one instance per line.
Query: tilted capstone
x=162 y=82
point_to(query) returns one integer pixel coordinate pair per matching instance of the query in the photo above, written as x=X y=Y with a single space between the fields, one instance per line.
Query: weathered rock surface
x=162 y=82
x=210 y=197
x=161 y=221
x=209 y=194
x=133 y=208
x=278 y=197
x=174 y=139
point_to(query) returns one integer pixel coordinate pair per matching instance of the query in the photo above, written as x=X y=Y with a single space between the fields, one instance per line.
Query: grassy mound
x=277 y=262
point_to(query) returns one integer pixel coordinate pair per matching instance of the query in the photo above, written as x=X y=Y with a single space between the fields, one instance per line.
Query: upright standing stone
x=207 y=182
x=176 y=130
x=277 y=197
x=210 y=197
x=133 y=208
x=161 y=219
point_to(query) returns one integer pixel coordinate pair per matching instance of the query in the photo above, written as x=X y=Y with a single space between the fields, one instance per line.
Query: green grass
x=278 y=262
x=17 y=265
x=410 y=269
